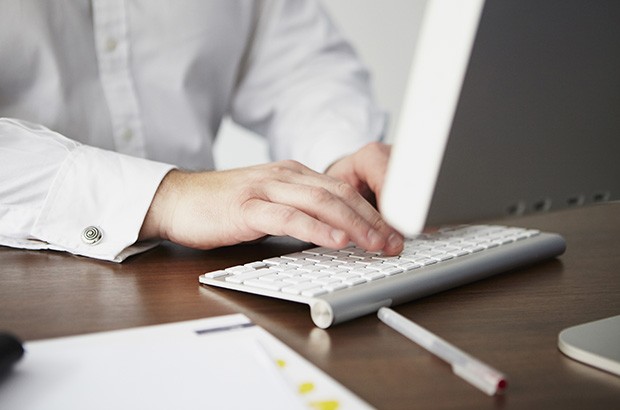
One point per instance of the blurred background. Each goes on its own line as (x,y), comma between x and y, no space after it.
(383,33)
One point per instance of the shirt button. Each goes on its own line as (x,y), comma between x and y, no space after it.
(91,235)
(111,44)
(127,134)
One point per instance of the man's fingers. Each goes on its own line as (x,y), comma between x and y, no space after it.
(206,210)
(371,166)
(364,169)
(278,219)
(301,175)
(348,211)
(335,202)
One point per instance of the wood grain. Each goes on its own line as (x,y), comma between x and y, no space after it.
(510,321)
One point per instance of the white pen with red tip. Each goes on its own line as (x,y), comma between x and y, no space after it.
(472,370)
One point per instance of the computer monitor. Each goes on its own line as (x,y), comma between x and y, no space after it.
(512,107)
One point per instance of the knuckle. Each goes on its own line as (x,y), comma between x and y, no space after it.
(247,206)
(378,224)
(346,191)
(363,224)
(286,215)
(289,164)
(320,194)
(246,193)
(276,168)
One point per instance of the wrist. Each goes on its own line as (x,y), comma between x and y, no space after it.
(156,221)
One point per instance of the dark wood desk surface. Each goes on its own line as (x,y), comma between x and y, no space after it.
(510,321)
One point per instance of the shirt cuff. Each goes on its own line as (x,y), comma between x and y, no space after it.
(97,204)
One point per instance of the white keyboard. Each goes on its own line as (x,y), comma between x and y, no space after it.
(340,285)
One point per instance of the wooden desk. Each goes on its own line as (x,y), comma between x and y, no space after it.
(510,321)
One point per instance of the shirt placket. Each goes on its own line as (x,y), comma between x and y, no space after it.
(113,54)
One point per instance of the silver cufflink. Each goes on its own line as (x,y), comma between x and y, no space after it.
(91,235)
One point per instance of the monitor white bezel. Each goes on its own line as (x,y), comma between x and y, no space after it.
(435,80)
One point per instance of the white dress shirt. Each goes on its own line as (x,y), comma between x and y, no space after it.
(100,99)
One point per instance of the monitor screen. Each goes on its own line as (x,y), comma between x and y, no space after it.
(536,124)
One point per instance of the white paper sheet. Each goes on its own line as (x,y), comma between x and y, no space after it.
(216,363)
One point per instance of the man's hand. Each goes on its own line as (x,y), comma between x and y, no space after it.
(212,209)
(365,169)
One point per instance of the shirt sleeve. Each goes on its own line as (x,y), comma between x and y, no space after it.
(58,194)
(303,86)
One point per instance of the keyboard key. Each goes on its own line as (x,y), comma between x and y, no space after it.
(374,275)
(300,287)
(311,293)
(315,275)
(332,287)
(216,274)
(276,261)
(319,250)
(264,284)
(327,280)
(318,258)
(392,270)
(295,280)
(295,256)
(256,265)
(239,269)
(289,273)
(274,277)
(242,277)
(356,280)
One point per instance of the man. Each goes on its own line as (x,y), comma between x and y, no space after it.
(102,101)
